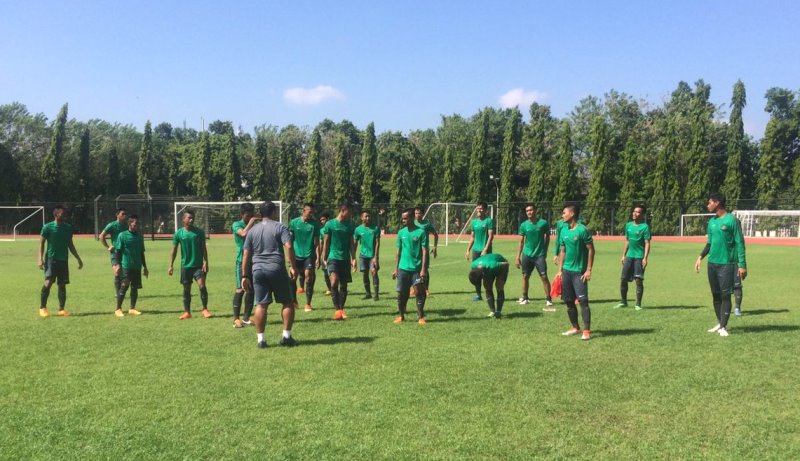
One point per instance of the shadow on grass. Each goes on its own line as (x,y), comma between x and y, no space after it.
(448,312)
(339,340)
(763,328)
(521,315)
(626,332)
(764,311)
(676,307)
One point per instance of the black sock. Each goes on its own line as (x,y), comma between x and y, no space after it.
(420,295)
(737,294)
(586,313)
(121,295)
(478,289)
(366,283)
(187,297)
(44,295)
(402,301)
(309,289)
(623,291)
(725,310)
(501,298)
(572,312)
(204,297)
(717,297)
(62,296)
(134,296)
(343,294)
(249,300)
(117,283)
(639,291)
(237,303)
(375,283)
(301,279)
(327,278)
(335,297)
(490,301)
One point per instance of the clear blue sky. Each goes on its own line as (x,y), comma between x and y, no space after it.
(400,64)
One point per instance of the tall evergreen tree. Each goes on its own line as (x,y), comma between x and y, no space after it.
(667,190)
(511,143)
(113,173)
(233,173)
(601,177)
(341,188)
(564,168)
(476,188)
(771,167)
(260,189)
(448,180)
(699,159)
(84,169)
(144,168)
(314,168)
(10,184)
(632,184)
(290,142)
(202,164)
(539,185)
(732,187)
(369,155)
(51,165)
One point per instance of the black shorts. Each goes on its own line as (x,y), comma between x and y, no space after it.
(501,274)
(632,268)
(305,264)
(572,287)
(529,264)
(407,279)
(133,276)
(476,255)
(191,273)
(272,284)
(341,269)
(722,278)
(56,271)
(364,263)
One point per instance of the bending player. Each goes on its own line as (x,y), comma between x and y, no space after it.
(409,266)
(369,236)
(576,257)
(58,235)
(240,229)
(634,256)
(131,265)
(531,254)
(492,269)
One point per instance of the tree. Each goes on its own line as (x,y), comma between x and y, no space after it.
(448,180)
(51,165)
(511,142)
(83,162)
(476,189)
(341,188)
(539,185)
(113,174)
(201,168)
(564,169)
(632,187)
(144,168)
(601,177)
(667,191)
(314,168)
(732,187)
(771,168)
(699,160)
(9,177)
(290,144)
(369,155)
(233,173)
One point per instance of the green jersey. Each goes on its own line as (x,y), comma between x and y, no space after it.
(367,236)
(339,234)
(191,242)
(536,237)
(636,235)
(304,237)
(560,225)
(131,246)
(114,228)
(410,244)
(238,239)
(574,241)
(58,238)
(427,227)
(490,262)
(726,240)
(480,231)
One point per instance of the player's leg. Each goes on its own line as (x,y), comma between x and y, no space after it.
(375,280)
(200,277)
(186,281)
(345,277)
(582,292)
(124,284)
(624,278)
(311,277)
(500,284)
(62,275)
(364,267)
(476,255)
(334,288)
(403,289)
(281,289)
(263,297)
(540,264)
(421,295)
(726,282)
(638,277)
(569,297)
(737,293)
(49,278)
(526,277)
(238,296)
(488,287)
(716,294)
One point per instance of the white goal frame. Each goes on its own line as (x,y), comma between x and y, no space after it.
(36,209)
(467,222)
(178,207)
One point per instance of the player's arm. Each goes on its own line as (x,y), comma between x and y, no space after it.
(352,250)
(205,256)
(41,251)
(172,257)
(243,231)
(625,250)
(355,247)
(738,240)
(326,246)
(246,282)
(424,271)
(469,245)
(588,274)
(434,251)
(74,252)
(557,249)
(646,253)
(519,251)
(103,237)
(560,259)
(703,254)
(377,250)
(489,239)
(547,240)
(144,266)
(396,263)
(290,258)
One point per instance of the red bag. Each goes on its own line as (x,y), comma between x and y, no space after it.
(555,287)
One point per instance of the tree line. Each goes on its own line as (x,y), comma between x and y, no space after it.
(609,152)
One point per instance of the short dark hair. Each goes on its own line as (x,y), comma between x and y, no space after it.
(410,212)
(344,205)
(483,204)
(418,207)
(325,215)
(58,207)
(639,205)
(366,211)
(574,206)
(133,217)
(267,208)
(475,276)
(247,208)
(189,211)
(532,205)
(718,197)
(308,204)
(118,211)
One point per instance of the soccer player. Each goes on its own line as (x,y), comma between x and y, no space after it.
(560,225)
(737,294)
(131,265)
(410,266)
(533,243)
(480,243)
(240,229)
(305,237)
(369,236)
(113,229)
(338,252)
(725,250)
(634,256)
(266,245)
(323,219)
(493,270)
(576,257)
(194,263)
(429,230)
(58,235)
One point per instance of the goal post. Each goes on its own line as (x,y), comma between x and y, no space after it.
(694,224)
(17,220)
(451,218)
(215,217)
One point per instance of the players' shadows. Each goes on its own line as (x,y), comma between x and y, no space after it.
(339,340)
(521,315)
(766,328)
(624,332)
(675,307)
(764,311)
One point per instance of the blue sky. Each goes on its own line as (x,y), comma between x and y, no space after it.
(399,64)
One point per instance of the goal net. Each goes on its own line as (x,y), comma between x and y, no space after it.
(755,223)
(20,220)
(215,217)
(695,224)
(451,220)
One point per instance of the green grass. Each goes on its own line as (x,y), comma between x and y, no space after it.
(650,384)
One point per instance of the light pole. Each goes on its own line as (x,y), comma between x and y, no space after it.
(497,197)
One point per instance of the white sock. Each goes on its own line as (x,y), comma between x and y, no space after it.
(260,336)
(287,333)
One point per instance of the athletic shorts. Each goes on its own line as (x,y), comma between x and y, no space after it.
(632,268)
(341,269)
(721,277)
(476,255)
(501,274)
(272,284)
(572,287)
(238,273)
(56,271)
(191,273)
(737,281)
(305,264)
(407,279)
(133,276)
(364,264)
(529,264)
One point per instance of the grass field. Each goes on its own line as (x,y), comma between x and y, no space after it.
(650,384)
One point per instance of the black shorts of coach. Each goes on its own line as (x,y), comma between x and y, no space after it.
(56,271)
(572,287)
(191,273)
(407,279)
(269,285)
(632,268)
(133,276)
(722,277)
(538,263)
(341,269)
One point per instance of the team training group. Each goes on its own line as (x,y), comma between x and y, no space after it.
(265,247)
